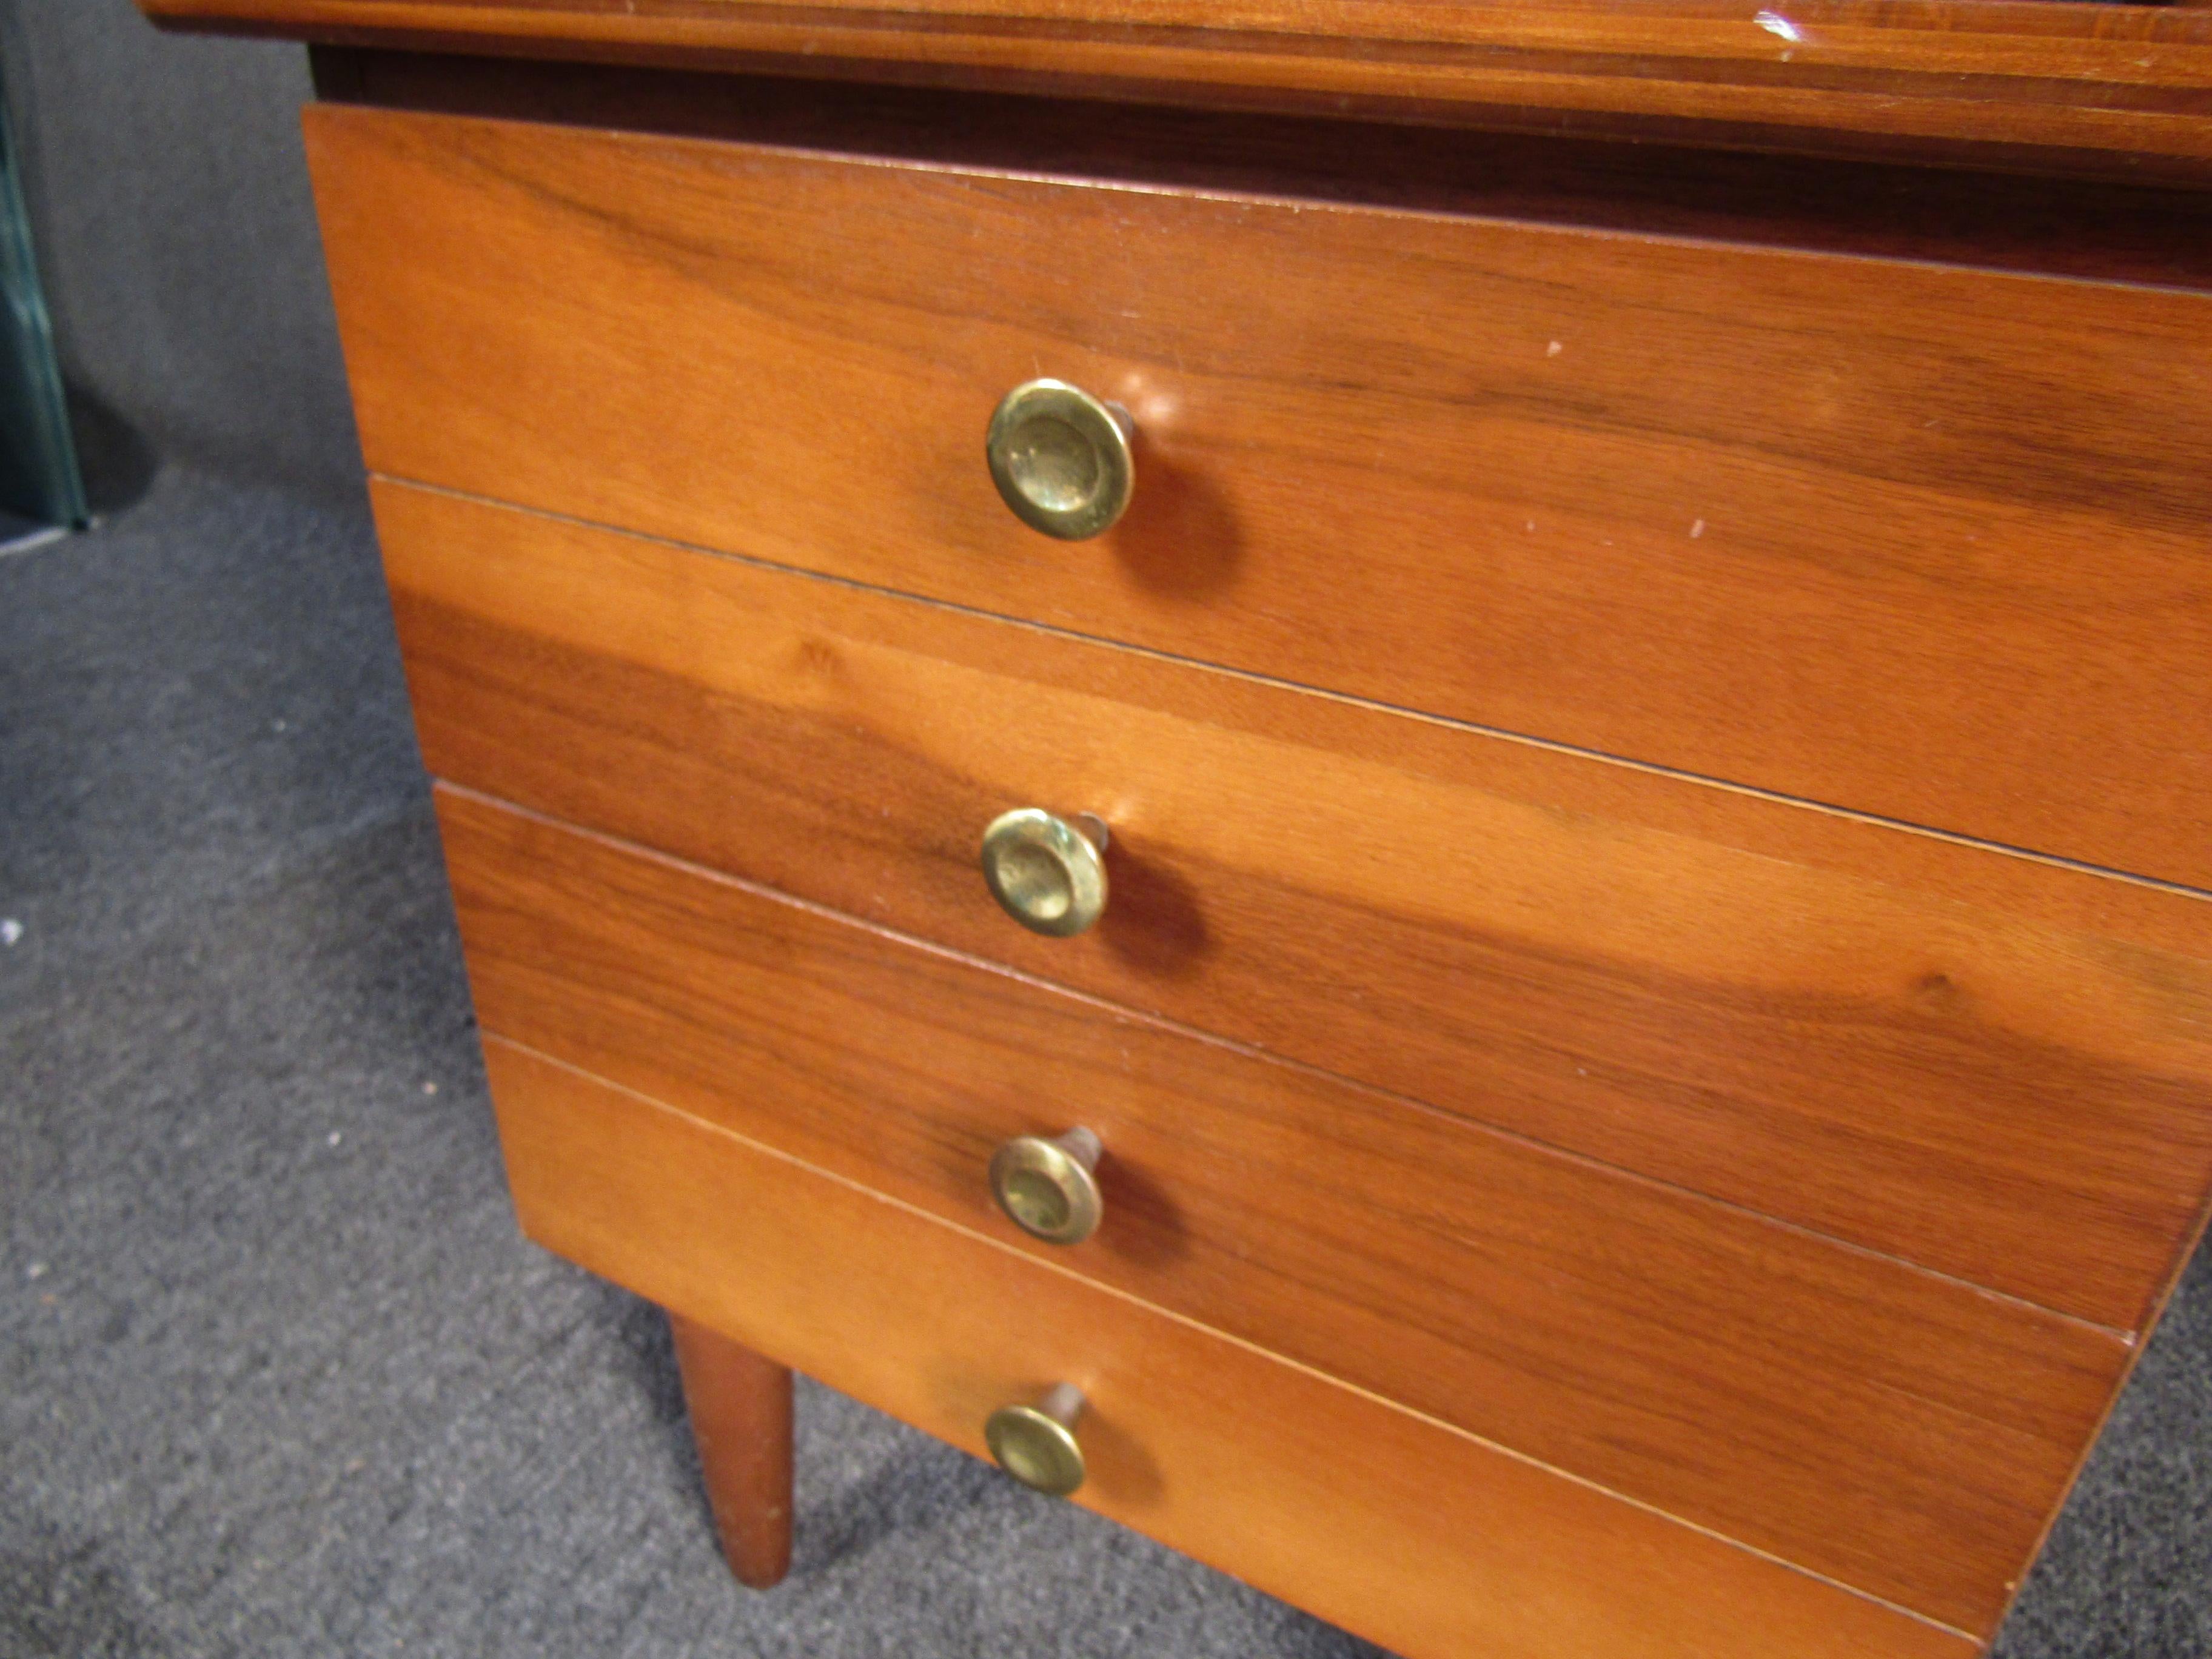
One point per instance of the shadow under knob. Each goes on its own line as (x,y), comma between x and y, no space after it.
(1036,1444)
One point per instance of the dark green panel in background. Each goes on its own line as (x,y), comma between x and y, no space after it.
(39,477)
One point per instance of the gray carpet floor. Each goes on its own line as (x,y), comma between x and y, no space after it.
(277,1374)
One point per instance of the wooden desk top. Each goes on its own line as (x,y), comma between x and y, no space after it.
(2036,84)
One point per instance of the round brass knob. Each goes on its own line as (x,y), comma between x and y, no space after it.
(1036,1444)
(1061,459)
(1046,1187)
(1046,874)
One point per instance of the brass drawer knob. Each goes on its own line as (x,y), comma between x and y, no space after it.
(1061,459)
(1046,1187)
(1046,874)
(1036,1444)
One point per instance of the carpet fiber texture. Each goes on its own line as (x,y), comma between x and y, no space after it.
(277,1374)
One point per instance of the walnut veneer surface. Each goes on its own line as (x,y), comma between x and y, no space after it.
(2086,83)
(1653,1028)
(1816,525)
(1475,1277)
(1429,1540)
(1539,941)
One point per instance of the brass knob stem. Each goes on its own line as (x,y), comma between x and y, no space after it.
(1048,1187)
(1045,872)
(1061,459)
(1037,1444)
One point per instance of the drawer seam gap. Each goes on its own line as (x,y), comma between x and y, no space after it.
(2127,1339)
(1553,745)
(1184,1319)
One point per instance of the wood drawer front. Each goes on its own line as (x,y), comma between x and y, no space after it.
(1929,544)
(1764,1003)
(1887,1427)
(1398,1528)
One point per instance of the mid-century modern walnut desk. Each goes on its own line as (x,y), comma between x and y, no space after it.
(1418,789)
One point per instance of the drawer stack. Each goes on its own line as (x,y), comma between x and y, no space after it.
(1652,1025)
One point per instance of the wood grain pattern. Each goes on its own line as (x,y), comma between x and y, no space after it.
(2100,229)
(1987,1066)
(1260,1467)
(2042,74)
(1901,1433)
(739,1403)
(1929,544)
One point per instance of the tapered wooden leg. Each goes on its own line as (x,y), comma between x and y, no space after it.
(740,1407)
